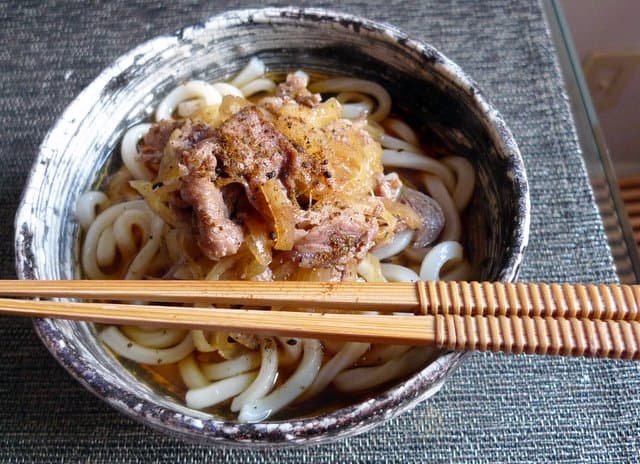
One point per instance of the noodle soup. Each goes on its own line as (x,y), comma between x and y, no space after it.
(261,178)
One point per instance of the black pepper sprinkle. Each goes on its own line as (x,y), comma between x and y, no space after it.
(159,361)
(292,342)
(129,345)
(157,185)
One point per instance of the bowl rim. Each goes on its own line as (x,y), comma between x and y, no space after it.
(345,421)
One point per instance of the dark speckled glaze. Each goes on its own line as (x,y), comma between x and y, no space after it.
(430,90)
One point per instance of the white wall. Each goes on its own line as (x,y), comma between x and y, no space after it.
(612,26)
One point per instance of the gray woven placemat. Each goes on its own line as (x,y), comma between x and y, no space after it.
(496,408)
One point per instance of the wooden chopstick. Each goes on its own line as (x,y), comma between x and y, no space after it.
(629,188)
(355,327)
(401,297)
(511,334)
(572,320)
(610,301)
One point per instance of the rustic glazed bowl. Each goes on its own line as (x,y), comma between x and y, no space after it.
(427,88)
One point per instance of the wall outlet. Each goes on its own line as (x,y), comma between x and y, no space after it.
(608,74)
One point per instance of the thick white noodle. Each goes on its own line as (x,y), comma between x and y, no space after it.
(201,342)
(302,75)
(87,207)
(397,273)
(156,338)
(402,130)
(266,376)
(243,363)
(145,255)
(118,229)
(95,230)
(187,91)
(452,226)
(380,354)
(106,250)
(410,160)
(465,180)
(354,110)
(346,357)
(129,151)
(439,255)
(217,392)
(254,69)
(362,378)
(399,242)
(191,374)
(227,89)
(124,228)
(257,86)
(261,408)
(356,97)
(289,353)
(348,84)
(127,348)
(394,143)
(187,108)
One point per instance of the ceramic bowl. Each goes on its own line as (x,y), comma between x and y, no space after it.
(430,90)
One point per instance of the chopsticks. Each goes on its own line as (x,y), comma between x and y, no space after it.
(565,319)
(630,195)
(353,327)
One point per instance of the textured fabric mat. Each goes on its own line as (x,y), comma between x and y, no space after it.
(496,408)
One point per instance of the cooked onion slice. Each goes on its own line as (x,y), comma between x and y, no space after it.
(282,212)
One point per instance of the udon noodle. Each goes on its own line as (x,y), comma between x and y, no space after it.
(263,180)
